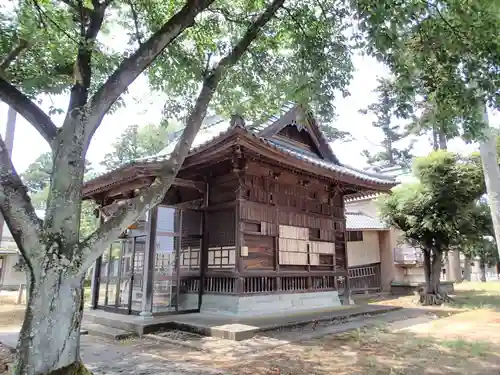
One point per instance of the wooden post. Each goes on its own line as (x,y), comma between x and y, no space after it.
(94,284)
(204,246)
(149,261)
(239,268)
(347,300)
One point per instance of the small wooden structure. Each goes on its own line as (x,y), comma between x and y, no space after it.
(253,224)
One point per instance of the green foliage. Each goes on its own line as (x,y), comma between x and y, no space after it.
(444,54)
(137,142)
(51,30)
(432,212)
(37,176)
(386,109)
(302,55)
(479,239)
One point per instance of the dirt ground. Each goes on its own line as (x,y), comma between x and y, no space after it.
(465,339)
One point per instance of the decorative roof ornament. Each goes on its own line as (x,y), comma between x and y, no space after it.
(237,121)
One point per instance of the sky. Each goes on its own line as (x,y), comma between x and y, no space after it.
(143,107)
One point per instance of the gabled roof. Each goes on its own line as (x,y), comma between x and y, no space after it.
(358,221)
(216,127)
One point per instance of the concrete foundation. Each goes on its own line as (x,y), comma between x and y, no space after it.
(408,288)
(265,305)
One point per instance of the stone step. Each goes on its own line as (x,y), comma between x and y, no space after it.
(107,332)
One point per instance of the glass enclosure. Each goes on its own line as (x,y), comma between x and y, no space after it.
(121,275)
(177,260)
(176,265)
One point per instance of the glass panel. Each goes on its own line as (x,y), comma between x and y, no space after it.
(165,277)
(114,266)
(168,220)
(189,273)
(138,273)
(126,273)
(103,278)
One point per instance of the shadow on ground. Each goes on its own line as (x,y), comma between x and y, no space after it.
(383,348)
(476,300)
(376,351)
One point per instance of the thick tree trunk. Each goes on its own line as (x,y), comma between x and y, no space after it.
(49,341)
(491,171)
(431,294)
(427,267)
(435,286)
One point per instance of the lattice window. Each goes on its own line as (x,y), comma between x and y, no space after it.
(190,258)
(221,257)
(297,247)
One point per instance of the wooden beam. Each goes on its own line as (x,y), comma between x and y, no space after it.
(200,186)
(129,187)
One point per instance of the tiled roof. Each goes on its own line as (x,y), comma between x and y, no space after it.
(360,221)
(272,119)
(342,169)
(215,126)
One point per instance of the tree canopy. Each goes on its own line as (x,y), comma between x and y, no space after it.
(434,213)
(137,142)
(244,57)
(446,53)
(387,110)
(445,57)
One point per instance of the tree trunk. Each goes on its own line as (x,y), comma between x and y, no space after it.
(467,269)
(10,129)
(431,294)
(435,287)
(482,269)
(443,145)
(49,340)
(488,151)
(427,267)
(454,267)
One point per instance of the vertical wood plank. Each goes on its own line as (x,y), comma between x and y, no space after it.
(149,255)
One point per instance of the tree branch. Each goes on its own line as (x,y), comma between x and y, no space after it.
(83,68)
(135,17)
(16,209)
(127,213)
(131,67)
(23,44)
(29,110)
(87,12)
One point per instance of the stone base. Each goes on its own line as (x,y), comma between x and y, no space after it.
(408,288)
(271,304)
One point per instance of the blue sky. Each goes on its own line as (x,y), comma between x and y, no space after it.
(143,106)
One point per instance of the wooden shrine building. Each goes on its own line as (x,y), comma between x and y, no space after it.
(253,224)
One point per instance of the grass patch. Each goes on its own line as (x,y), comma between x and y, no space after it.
(472,348)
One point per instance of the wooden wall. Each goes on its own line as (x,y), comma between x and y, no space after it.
(289,222)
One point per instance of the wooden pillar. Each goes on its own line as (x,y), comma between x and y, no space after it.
(94,284)
(347,298)
(149,261)
(238,170)
(96,272)
(237,244)
(204,246)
